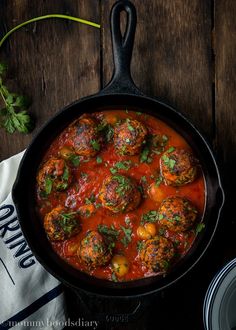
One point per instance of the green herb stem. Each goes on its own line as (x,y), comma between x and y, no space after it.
(39,18)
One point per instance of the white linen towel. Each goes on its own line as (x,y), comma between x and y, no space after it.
(30,298)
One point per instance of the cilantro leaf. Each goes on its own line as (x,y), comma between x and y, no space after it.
(13,117)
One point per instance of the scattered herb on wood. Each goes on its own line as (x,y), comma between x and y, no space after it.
(13,115)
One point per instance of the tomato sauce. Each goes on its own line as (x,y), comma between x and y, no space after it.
(88,178)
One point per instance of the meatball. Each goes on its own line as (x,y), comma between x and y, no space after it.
(157,253)
(178,167)
(86,137)
(119,193)
(55,174)
(61,223)
(177,214)
(129,137)
(93,250)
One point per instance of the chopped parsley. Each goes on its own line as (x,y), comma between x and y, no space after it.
(171,149)
(113,170)
(170,163)
(123,184)
(127,236)
(125,165)
(95,144)
(151,216)
(110,232)
(140,245)
(48,185)
(65,175)
(99,160)
(75,159)
(130,127)
(158,181)
(200,227)
(68,222)
(143,179)
(144,157)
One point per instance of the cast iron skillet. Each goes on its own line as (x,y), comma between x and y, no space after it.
(120,93)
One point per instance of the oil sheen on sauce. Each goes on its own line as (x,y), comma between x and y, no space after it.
(88,178)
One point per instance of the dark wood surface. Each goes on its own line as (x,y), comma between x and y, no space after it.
(185,53)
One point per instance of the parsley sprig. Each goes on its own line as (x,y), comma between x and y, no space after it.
(13,115)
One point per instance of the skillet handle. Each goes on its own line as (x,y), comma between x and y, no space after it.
(121,81)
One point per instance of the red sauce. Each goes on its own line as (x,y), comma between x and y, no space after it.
(88,178)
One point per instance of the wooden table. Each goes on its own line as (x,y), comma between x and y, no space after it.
(185,52)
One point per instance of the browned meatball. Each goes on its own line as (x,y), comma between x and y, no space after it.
(87,139)
(177,214)
(120,193)
(55,174)
(157,254)
(178,167)
(93,250)
(129,137)
(61,223)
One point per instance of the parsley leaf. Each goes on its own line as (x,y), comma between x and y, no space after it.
(75,159)
(127,236)
(125,165)
(151,216)
(95,144)
(48,185)
(200,227)
(99,160)
(140,245)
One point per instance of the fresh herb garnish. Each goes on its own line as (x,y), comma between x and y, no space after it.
(13,116)
(125,165)
(170,163)
(113,170)
(200,227)
(107,131)
(65,175)
(143,179)
(68,221)
(130,127)
(127,236)
(158,181)
(123,184)
(75,159)
(171,149)
(90,200)
(151,216)
(99,160)
(95,144)
(140,245)
(144,155)
(110,232)
(48,185)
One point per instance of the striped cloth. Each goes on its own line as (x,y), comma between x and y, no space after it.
(30,298)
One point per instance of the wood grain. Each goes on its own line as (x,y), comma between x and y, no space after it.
(225,50)
(172,54)
(225,113)
(54,61)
